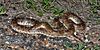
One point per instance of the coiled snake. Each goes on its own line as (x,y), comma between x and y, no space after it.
(63,26)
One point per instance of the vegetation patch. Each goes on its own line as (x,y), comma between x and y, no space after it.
(2,9)
(94,6)
(43,6)
(80,46)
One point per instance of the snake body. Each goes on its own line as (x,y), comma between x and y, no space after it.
(64,25)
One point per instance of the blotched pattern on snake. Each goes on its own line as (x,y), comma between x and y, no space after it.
(64,26)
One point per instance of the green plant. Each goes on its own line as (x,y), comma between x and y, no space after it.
(45,6)
(57,11)
(79,46)
(30,4)
(68,44)
(2,9)
(94,6)
(46,2)
(96,47)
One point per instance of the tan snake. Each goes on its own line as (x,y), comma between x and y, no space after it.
(64,25)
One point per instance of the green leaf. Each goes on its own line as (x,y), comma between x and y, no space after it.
(40,13)
(68,44)
(30,4)
(79,46)
(2,10)
(46,2)
(96,47)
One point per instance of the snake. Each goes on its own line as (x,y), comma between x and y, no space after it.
(63,26)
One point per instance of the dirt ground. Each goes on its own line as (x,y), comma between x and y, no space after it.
(11,40)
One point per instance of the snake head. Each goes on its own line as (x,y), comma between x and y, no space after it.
(76,20)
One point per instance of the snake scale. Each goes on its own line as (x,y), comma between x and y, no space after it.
(64,26)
